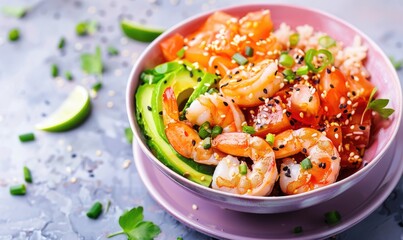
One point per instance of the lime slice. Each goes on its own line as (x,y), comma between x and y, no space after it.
(73,111)
(139,32)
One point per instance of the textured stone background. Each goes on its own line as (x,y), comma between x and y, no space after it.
(72,170)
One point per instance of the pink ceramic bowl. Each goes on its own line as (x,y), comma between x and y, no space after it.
(383,76)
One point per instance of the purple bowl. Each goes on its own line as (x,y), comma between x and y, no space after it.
(383,75)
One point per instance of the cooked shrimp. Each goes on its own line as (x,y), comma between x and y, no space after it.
(216,110)
(182,137)
(259,180)
(249,85)
(323,156)
(304,104)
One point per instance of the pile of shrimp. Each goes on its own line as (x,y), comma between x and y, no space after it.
(317,117)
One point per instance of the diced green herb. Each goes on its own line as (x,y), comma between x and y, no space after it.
(95,210)
(181,53)
(19,189)
(54,70)
(97,86)
(378,105)
(179,238)
(85,28)
(206,143)
(248,129)
(112,51)
(27,174)
(241,60)
(62,43)
(297,229)
(217,130)
(397,64)
(18,12)
(205,130)
(270,138)
(92,63)
(108,205)
(129,135)
(14,35)
(69,76)
(134,227)
(306,164)
(332,217)
(243,169)
(249,51)
(289,74)
(312,53)
(302,70)
(286,60)
(294,39)
(26,137)
(326,41)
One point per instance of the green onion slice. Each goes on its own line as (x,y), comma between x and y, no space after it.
(286,60)
(181,53)
(14,35)
(19,189)
(217,130)
(248,129)
(243,169)
(205,130)
(332,217)
(289,74)
(54,70)
(306,164)
(270,138)
(241,60)
(302,70)
(95,210)
(325,54)
(206,143)
(27,175)
(249,51)
(294,39)
(96,86)
(26,137)
(326,41)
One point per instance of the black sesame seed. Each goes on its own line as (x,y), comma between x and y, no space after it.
(275,148)
(310,98)
(237,72)
(288,173)
(193,142)
(239,79)
(149,108)
(281,146)
(73,155)
(331,85)
(304,150)
(288,113)
(215,66)
(277,101)
(225,103)
(261,99)
(264,90)
(232,100)
(354,93)
(328,70)
(165,81)
(275,73)
(160,113)
(322,165)
(334,157)
(362,127)
(335,129)
(191,74)
(285,168)
(199,79)
(229,76)
(297,89)
(345,111)
(224,85)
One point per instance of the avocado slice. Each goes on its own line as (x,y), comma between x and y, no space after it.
(187,83)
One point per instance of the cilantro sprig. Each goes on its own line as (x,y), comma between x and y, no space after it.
(134,227)
(378,105)
(92,63)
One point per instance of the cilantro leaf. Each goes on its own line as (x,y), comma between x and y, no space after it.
(92,63)
(378,105)
(18,12)
(135,228)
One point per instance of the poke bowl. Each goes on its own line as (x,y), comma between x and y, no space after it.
(245,165)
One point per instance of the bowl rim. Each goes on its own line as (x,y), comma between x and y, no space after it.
(132,86)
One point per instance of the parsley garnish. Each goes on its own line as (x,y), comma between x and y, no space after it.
(378,105)
(92,63)
(18,12)
(135,228)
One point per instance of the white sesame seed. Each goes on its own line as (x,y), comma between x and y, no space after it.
(98,153)
(111,93)
(69,148)
(126,163)
(109,104)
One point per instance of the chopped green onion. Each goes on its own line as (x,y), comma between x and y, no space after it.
(26,137)
(306,164)
(297,229)
(212,90)
(129,135)
(241,60)
(112,51)
(180,53)
(95,210)
(249,51)
(248,129)
(270,138)
(289,75)
(302,70)
(18,12)
(61,43)
(326,41)
(217,130)
(19,189)
(81,29)
(14,35)
(243,169)
(27,175)
(54,70)
(96,86)
(332,217)
(205,130)
(286,60)
(179,238)
(206,143)
(294,39)
(311,53)
(69,76)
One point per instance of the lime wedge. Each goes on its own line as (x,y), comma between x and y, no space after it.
(139,32)
(73,111)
